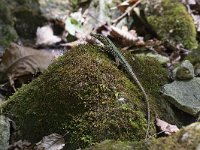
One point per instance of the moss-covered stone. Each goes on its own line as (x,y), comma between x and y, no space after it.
(150,73)
(7,31)
(79,95)
(174,23)
(118,145)
(194,56)
(5,14)
(7,34)
(24,16)
(18,17)
(185,139)
(27,22)
(153,76)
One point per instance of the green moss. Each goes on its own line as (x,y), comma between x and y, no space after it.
(118,145)
(185,139)
(194,56)
(78,95)
(150,72)
(8,34)
(153,76)
(5,14)
(174,24)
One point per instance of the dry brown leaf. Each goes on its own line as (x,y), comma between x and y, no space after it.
(167,128)
(21,145)
(19,61)
(126,38)
(51,142)
(122,35)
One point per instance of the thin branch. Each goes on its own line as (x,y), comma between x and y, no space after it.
(128,10)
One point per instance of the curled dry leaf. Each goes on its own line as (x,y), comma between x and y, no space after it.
(167,128)
(51,142)
(19,61)
(126,38)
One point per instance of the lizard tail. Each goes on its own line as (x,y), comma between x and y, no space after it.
(147,103)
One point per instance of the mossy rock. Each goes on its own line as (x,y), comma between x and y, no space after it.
(174,23)
(153,76)
(27,22)
(118,145)
(7,34)
(18,17)
(5,14)
(22,15)
(186,139)
(150,73)
(194,56)
(7,31)
(79,95)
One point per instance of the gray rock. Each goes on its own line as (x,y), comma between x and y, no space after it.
(4,132)
(52,9)
(184,94)
(184,72)
(21,18)
(7,31)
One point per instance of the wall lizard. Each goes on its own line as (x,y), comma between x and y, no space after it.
(113,50)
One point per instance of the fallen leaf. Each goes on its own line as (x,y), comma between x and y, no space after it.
(51,142)
(126,38)
(25,145)
(167,128)
(19,61)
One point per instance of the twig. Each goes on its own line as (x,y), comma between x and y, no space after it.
(128,10)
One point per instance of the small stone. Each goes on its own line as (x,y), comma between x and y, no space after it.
(185,137)
(184,72)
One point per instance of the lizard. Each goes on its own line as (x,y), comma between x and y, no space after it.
(113,50)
